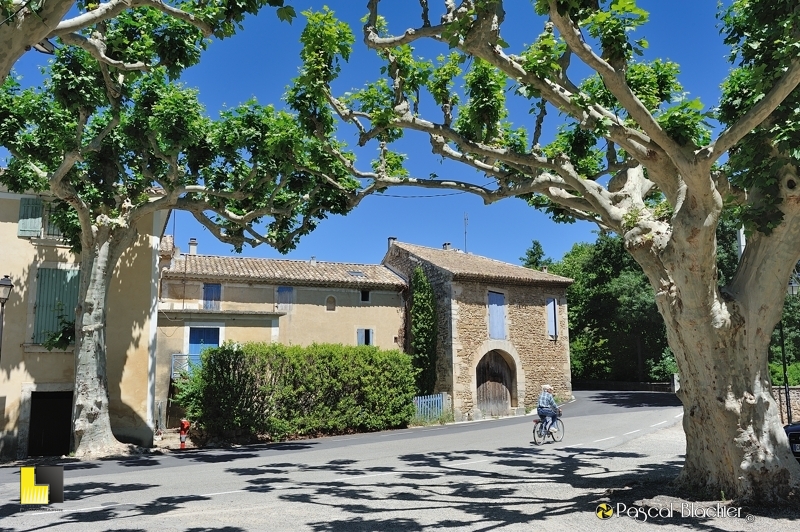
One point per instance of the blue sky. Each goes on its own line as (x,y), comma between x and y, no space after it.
(260,61)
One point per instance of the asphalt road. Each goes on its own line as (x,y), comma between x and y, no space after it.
(471,476)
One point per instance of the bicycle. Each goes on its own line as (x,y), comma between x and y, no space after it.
(540,435)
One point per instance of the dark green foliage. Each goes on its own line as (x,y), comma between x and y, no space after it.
(534,257)
(277,391)
(791,333)
(615,327)
(792,372)
(424,331)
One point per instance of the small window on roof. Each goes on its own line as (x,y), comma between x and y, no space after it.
(356,273)
(330,303)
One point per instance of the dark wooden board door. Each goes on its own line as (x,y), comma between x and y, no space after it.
(494,385)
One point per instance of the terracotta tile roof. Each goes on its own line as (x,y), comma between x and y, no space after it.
(283,271)
(466,266)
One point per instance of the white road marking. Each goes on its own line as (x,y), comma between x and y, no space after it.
(604,439)
(679,415)
(221,493)
(376,475)
(631,432)
(659,423)
(466,463)
(428,430)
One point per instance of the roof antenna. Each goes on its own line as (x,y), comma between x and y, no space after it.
(466,221)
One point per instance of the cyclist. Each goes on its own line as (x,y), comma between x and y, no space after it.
(547,408)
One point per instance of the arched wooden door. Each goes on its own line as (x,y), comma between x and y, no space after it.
(494,379)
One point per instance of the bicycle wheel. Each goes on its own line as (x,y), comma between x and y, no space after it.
(558,436)
(538,435)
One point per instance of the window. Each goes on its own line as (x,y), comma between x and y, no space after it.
(284,299)
(330,304)
(201,338)
(551,309)
(35,220)
(365,296)
(497,316)
(56,299)
(366,337)
(211,295)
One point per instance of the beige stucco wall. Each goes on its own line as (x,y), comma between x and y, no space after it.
(130,328)
(308,321)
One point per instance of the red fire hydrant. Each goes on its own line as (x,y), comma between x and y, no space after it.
(184,431)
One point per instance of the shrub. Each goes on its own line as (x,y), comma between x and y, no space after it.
(277,391)
(792,372)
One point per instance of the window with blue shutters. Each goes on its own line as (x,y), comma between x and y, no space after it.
(211,296)
(56,296)
(497,316)
(551,308)
(30,218)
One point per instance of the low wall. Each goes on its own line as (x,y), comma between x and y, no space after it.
(778,392)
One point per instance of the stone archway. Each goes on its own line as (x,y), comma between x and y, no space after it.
(495,382)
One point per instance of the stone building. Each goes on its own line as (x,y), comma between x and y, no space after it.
(502,328)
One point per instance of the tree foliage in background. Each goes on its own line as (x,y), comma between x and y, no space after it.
(424,331)
(115,142)
(615,328)
(534,257)
(634,155)
(273,391)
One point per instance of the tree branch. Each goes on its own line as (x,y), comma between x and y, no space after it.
(97,49)
(756,115)
(615,81)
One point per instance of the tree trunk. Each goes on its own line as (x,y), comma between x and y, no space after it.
(27,29)
(735,444)
(92,434)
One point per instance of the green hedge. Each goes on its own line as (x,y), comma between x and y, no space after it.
(278,391)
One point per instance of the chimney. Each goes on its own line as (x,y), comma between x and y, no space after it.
(192,246)
(392,240)
(446,246)
(544,269)
(313,260)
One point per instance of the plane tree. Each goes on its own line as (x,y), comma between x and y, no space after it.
(114,145)
(633,155)
(26,24)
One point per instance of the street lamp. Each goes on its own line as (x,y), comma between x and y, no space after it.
(5,291)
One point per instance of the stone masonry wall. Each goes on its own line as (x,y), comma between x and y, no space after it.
(543,360)
(779,395)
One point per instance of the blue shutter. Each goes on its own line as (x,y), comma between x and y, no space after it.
(552,317)
(361,336)
(497,316)
(212,293)
(30,217)
(201,338)
(56,295)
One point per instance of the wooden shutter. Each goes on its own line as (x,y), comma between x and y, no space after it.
(497,316)
(552,317)
(30,217)
(202,338)
(211,296)
(56,295)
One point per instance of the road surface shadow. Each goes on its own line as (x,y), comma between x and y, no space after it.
(636,399)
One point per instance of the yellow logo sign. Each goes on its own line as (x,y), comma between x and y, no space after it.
(604,511)
(41,485)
